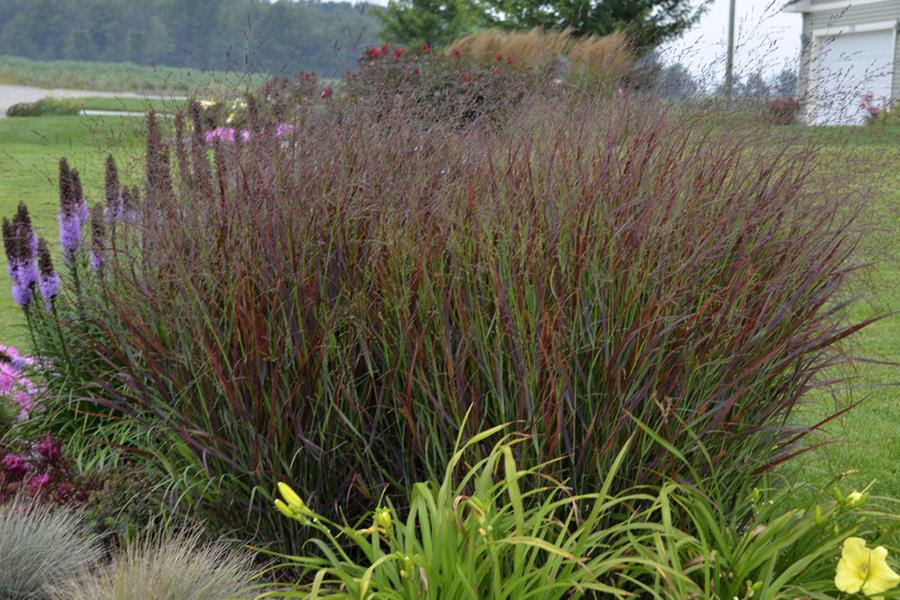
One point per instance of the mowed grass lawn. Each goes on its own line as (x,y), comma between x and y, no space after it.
(30,148)
(866,441)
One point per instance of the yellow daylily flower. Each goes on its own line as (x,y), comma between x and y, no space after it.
(863,569)
(855,499)
(294,502)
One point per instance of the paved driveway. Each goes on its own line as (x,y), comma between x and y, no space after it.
(13,94)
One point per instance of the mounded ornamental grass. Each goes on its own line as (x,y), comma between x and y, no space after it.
(323,308)
(39,548)
(158,567)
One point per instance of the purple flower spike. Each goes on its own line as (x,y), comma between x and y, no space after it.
(21,294)
(49,286)
(83,211)
(49,282)
(96,261)
(69,232)
(28,272)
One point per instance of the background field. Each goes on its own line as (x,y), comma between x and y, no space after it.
(866,441)
(119,77)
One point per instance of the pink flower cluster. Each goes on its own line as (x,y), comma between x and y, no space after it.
(14,385)
(228,135)
(868,104)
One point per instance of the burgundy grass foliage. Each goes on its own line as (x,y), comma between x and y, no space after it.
(325,307)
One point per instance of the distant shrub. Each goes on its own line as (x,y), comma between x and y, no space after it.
(784,111)
(158,567)
(887,115)
(44,107)
(442,89)
(40,548)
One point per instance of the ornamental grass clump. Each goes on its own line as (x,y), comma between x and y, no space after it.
(40,548)
(159,567)
(322,308)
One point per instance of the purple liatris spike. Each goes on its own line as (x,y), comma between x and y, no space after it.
(9,246)
(69,232)
(69,200)
(114,198)
(49,287)
(25,247)
(98,237)
(21,294)
(49,281)
(81,205)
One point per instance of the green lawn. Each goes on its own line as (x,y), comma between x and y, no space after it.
(29,151)
(866,440)
(119,77)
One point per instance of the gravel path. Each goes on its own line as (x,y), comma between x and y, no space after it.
(13,94)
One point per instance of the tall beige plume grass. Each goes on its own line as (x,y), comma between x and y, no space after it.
(603,58)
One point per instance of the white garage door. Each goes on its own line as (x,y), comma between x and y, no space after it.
(848,67)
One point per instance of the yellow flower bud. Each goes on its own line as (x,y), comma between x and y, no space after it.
(383,518)
(291,497)
(283,509)
(818,517)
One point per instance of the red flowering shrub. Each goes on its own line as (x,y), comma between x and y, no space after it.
(441,87)
(784,111)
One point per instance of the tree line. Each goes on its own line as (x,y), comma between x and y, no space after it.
(281,37)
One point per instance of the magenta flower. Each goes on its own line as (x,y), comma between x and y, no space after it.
(47,449)
(38,482)
(15,465)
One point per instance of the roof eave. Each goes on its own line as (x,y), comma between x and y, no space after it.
(798,6)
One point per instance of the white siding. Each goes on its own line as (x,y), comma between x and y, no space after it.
(861,14)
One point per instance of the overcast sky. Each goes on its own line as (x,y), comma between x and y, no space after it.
(767,39)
